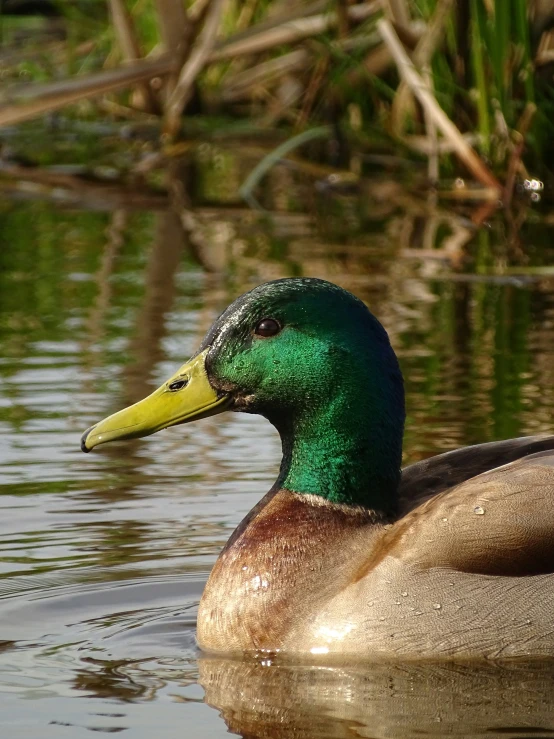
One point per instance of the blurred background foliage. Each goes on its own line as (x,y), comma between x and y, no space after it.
(286,66)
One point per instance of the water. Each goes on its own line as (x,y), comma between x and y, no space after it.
(103,557)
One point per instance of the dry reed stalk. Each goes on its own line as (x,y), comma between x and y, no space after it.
(281,105)
(274,20)
(241,27)
(197,11)
(429,103)
(246,14)
(242,83)
(420,144)
(483,212)
(515,158)
(398,12)
(175,30)
(421,57)
(193,66)
(359,42)
(545,51)
(124,30)
(31,100)
(27,101)
(314,85)
(375,62)
(173,21)
(343,24)
(54,51)
(432,137)
(131,51)
(378,60)
(117,110)
(433,34)
(291,32)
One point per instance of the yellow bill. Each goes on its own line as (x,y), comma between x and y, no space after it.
(186,396)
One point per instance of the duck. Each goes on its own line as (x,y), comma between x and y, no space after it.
(348,556)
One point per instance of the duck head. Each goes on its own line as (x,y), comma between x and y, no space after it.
(311,358)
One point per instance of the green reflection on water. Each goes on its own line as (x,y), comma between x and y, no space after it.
(97,307)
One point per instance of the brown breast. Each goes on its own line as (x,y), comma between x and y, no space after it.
(290,554)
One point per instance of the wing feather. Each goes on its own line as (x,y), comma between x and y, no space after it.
(429,477)
(500,522)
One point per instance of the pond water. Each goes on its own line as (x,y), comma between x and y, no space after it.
(103,557)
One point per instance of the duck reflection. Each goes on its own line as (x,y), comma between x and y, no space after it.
(265,699)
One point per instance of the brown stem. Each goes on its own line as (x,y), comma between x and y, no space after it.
(291,32)
(513,165)
(28,101)
(429,103)
(421,57)
(131,51)
(193,66)
(175,29)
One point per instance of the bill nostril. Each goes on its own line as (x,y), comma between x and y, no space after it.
(177,385)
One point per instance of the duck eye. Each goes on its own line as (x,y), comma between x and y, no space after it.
(177,385)
(267,327)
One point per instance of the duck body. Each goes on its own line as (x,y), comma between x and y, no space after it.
(346,555)
(459,575)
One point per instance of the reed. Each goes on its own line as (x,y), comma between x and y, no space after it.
(404,68)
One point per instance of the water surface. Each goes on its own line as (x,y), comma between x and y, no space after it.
(103,557)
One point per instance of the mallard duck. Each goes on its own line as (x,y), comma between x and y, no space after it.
(347,555)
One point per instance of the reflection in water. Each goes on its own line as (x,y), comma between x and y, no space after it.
(115,236)
(145,348)
(260,699)
(103,558)
(164,258)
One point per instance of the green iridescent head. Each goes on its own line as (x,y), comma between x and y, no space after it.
(314,361)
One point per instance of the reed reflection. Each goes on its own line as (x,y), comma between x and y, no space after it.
(146,344)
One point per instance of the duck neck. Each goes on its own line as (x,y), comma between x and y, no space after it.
(347,451)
